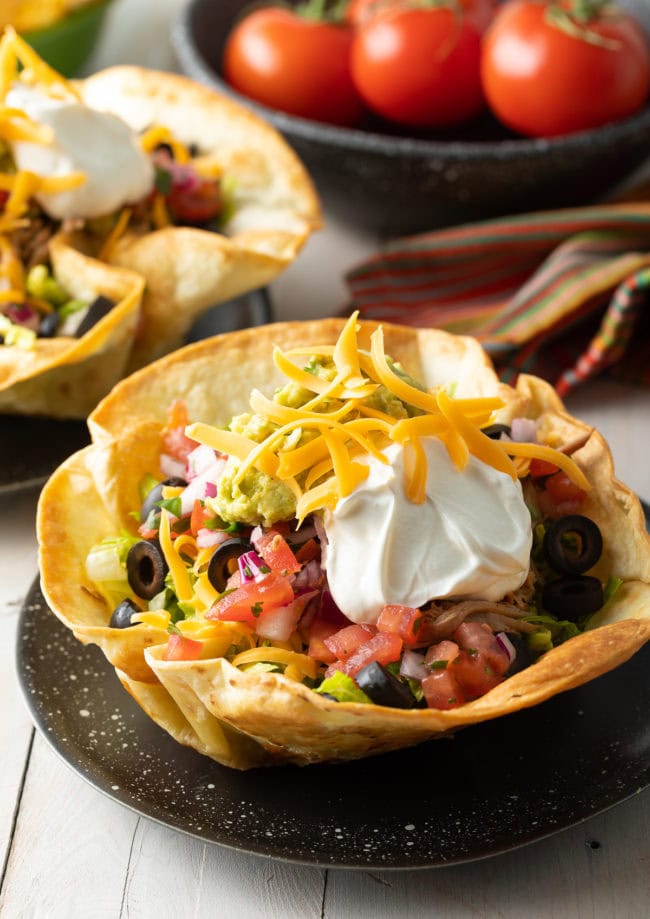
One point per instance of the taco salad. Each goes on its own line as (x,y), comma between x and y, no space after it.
(380,544)
(144,172)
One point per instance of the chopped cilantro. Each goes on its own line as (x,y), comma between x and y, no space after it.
(256,608)
(173,505)
(438,665)
(146,484)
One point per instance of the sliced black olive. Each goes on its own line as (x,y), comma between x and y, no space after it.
(146,569)
(573,544)
(383,688)
(121,618)
(155,495)
(48,325)
(99,308)
(573,598)
(496,430)
(219,568)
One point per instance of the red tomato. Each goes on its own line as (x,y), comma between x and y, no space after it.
(442,651)
(419,67)
(442,690)
(298,65)
(180,648)
(175,441)
(358,12)
(345,642)
(195,205)
(277,554)
(540,468)
(560,496)
(320,630)
(543,80)
(382,647)
(403,621)
(249,601)
(474,674)
(478,638)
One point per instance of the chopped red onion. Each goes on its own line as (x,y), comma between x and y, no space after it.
(256,535)
(413,666)
(206,538)
(524,430)
(302,535)
(22,314)
(280,623)
(507,645)
(171,467)
(251,567)
(201,485)
(200,459)
(310,576)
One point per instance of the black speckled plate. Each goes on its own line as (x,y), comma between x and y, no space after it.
(492,788)
(32,448)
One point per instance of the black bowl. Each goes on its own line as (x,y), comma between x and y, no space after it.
(395,184)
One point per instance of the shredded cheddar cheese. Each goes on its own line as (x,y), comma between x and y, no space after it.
(325,466)
(115,235)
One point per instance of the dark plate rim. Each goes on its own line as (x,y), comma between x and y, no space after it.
(196,66)
(602,803)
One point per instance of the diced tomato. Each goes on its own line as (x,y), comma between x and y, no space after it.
(327,621)
(146,532)
(540,468)
(199,515)
(180,648)
(308,552)
(563,490)
(474,673)
(479,637)
(384,647)
(277,554)
(197,204)
(403,621)
(345,642)
(175,442)
(441,690)
(250,600)
(443,651)
(319,630)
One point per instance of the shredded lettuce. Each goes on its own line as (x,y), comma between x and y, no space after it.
(147,484)
(343,688)
(611,588)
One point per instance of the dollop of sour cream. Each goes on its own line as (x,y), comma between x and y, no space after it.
(96,143)
(471,538)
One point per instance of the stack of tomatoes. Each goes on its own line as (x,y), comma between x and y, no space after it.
(543,67)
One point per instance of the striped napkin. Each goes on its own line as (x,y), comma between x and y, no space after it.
(562,294)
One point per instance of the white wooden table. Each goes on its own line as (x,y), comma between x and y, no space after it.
(67,851)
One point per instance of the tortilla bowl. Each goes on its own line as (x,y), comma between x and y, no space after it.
(244,718)
(274,207)
(66,377)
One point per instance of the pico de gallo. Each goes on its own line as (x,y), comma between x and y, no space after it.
(248,581)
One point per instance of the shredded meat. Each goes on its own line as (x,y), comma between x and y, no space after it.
(503,617)
(31,243)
